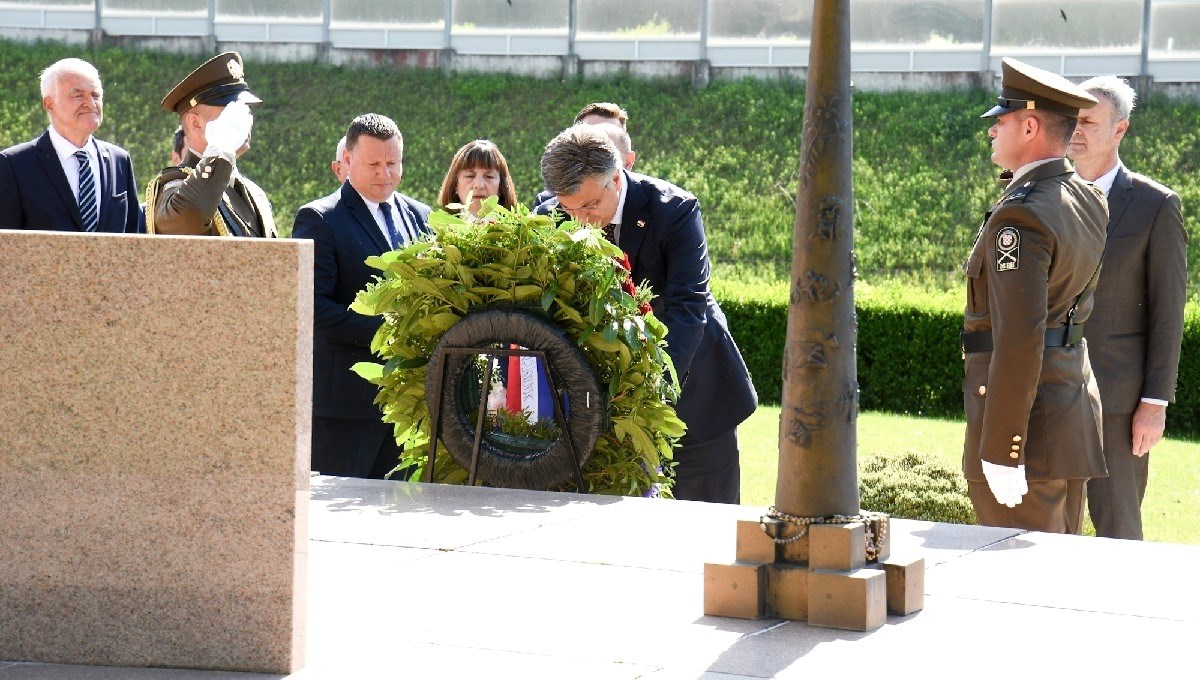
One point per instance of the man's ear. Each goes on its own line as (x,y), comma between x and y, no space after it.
(192,121)
(1031,125)
(1120,129)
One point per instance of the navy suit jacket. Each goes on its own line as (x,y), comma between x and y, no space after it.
(34,193)
(663,233)
(344,235)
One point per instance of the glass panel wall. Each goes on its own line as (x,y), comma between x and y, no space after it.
(1072,24)
(152,7)
(1175,28)
(409,12)
(759,20)
(917,22)
(291,9)
(56,4)
(639,18)
(519,14)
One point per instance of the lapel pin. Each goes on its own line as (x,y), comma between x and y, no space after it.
(641,224)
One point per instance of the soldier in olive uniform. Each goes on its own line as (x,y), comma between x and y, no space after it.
(1032,405)
(205,195)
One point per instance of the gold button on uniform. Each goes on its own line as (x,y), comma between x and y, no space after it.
(1016,448)
(1016,438)
(982,390)
(1014,454)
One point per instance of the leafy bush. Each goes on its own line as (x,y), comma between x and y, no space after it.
(911,485)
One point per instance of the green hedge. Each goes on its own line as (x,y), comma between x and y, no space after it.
(909,360)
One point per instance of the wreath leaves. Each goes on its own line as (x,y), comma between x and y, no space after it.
(513,257)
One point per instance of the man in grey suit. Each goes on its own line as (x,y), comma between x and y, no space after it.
(1137,326)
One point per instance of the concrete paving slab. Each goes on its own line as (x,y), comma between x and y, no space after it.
(451,517)
(681,537)
(410,580)
(1071,572)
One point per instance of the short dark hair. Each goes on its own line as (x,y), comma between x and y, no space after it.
(577,153)
(372,125)
(1059,128)
(606,110)
(177,141)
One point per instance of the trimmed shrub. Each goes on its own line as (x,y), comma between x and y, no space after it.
(912,485)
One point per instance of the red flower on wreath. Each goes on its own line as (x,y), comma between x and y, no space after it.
(627,281)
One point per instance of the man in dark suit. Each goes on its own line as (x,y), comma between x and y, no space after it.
(1033,409)
(1135,333)
(601,113)
(66,179)
(365,217)
(659,227)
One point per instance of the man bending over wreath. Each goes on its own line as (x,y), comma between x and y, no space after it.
(659,227)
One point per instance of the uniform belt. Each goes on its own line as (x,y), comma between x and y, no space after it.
(1062,336)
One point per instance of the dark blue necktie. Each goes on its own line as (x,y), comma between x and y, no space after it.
(87,193)
(393,234)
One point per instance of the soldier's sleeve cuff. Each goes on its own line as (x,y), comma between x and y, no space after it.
(217,151)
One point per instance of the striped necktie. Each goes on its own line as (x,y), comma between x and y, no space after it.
(87,193)
(393,234)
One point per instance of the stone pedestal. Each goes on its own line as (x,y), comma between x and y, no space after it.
(154,450)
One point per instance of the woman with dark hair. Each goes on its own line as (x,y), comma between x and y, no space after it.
(477,171)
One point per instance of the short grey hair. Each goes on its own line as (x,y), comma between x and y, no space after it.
(341,146)
(576,154)
(63,67)
(1116,90)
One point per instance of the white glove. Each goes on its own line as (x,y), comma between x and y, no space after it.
(1008,484)
(229,131)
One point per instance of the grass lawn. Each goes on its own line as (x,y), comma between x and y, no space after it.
(1171,512)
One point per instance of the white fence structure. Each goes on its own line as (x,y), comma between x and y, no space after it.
(1159,39)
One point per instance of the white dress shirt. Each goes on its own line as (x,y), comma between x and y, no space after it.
(70,165)
(402,226)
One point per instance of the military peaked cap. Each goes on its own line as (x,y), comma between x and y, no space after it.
(1025,87)
(218,81)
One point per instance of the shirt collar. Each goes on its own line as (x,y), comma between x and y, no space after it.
(621,200)
(1105,182)
(66,149)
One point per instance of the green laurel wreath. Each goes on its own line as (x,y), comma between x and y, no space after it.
(513,257)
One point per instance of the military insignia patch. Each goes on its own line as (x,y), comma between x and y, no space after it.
(1008,249)
(235,69)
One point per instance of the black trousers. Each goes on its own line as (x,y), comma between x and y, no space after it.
(709,471)
(353,448)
